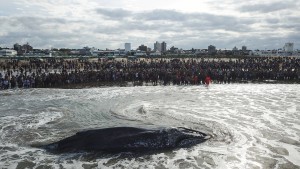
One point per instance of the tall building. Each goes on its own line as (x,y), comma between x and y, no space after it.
(157,46)
(211,49)
(288,47)
(18,48)
(127,47)
(163,46)
(244,48)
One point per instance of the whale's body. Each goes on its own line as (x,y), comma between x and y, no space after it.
(128,139)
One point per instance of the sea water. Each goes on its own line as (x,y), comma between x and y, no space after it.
(252,125)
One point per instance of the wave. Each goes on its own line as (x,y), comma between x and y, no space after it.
(253,125)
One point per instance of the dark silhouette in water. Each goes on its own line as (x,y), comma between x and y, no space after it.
(128,139)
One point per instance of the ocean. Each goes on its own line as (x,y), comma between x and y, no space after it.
(252,125)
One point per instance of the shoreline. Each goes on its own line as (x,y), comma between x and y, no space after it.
(87,86)
(137,84)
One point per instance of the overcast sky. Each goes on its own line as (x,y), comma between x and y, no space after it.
(257,24)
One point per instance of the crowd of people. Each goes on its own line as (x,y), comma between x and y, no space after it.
(67,73)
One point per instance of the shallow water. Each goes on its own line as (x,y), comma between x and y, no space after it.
(253,125)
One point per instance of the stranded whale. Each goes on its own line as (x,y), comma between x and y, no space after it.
(128,139)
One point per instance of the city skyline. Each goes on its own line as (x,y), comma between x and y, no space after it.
(162,47)
(108,24)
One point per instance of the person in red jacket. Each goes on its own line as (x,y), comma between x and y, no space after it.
(207,80)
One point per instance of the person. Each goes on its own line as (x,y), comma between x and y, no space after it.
(207,80)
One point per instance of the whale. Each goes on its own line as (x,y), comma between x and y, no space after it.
(128,139)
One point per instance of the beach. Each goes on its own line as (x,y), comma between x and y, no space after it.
(78,73)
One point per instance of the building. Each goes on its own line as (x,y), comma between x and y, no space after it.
(18,48)
(235,49)
(127,47)
(244,48)
(23,49)
(157,46)
(86,51)
(120,52)
(143,48)
(212,49)
(173,49)
(155,53)
(140,53)
(163,47)
(8,52)
(288,47)
(160,47)
(263,53)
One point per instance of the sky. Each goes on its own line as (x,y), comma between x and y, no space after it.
(186,24)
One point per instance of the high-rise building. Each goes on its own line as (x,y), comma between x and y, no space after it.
(244,48)
(163,46)
(288,47)
(18,48)
(157,46)
(211,49)
(127,47)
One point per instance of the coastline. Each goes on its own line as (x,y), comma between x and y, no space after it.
(130,84)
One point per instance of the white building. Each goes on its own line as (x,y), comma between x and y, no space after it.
(127,47)
(8,52)
(140,53)
(120,52)
(264,53)
(288,47)
(157,46)
(96,52)
(156,53)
